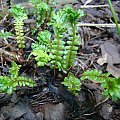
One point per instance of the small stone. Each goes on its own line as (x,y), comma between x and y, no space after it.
(6,115)
(54,111)
(15,98)
(39,116)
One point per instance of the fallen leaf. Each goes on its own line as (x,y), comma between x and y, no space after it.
(110,54)
(113,70)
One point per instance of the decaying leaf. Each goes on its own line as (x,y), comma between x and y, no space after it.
(113,70)
(110,54)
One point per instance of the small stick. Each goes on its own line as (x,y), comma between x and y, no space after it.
(93,6)
(101,102)
(2,7)
(96,25)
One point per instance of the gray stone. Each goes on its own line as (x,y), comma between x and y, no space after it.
(15,98)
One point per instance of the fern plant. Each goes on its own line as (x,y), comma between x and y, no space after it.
(44,38)
(41,57)
(41,48)
(111,85)
(62,53)
(9,83)
(55,47)
(42,11)
(59,28)
(19,16)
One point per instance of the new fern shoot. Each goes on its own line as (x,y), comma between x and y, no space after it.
(19,16)
(71,48)
(41,48)
(42,11)
(9,83)
(59,28)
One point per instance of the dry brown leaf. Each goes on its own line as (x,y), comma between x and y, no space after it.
(113,70)
(110,54)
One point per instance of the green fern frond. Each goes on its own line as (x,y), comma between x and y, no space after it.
(14,70)
(72,44)
(19,16)
(57,22)
(44,38)
(6,85)
(56,54)
(111,85)
(95,75)
(9,84)
(19,32)
(5,34)
(41,57)
(41,10)
(72,83)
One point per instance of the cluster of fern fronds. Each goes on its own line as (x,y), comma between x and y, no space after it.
(62,53)
(110,85)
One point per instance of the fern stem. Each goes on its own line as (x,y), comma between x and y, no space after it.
(58,43)
(114,16)
(73,40)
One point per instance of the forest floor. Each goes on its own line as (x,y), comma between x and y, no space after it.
(99,49)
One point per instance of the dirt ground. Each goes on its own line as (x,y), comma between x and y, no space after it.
(50,100)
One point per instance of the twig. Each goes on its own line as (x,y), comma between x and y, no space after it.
(3,19)
(29,38)
(96,25)
(93,6)
(89,114)
(101,102)
(2,7)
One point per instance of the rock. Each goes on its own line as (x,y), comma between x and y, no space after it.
(54,111)
(105,111)
(12,112)
(39,116)
(6,115)
(15,98)
(18,110)
(4,98)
